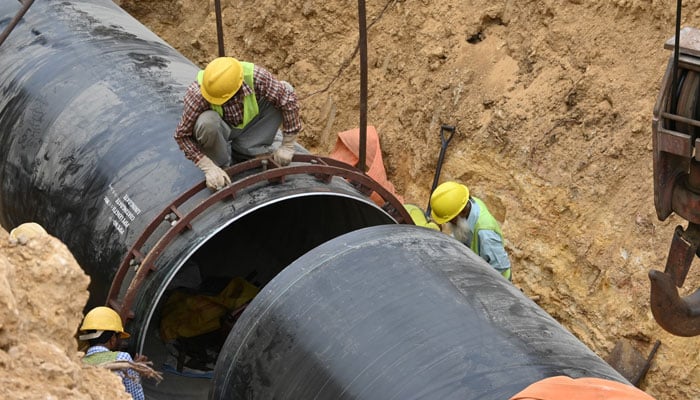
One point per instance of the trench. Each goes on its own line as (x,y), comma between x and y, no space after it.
(344,297)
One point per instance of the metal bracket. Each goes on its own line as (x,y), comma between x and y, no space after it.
(264,170)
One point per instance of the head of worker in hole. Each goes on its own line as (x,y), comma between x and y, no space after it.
(233,111)
(102,329)
(471,223)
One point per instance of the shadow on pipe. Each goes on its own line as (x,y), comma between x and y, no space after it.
(353,303)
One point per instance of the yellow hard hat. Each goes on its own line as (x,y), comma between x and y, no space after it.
(418,217)
(103,319)
(222,78)
(27,230)
(447,201)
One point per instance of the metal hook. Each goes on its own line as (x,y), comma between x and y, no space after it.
(677,315)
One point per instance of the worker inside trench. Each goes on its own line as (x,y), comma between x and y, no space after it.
(199,306)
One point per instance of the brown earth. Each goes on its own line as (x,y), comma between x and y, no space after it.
(552,100)
(39,358)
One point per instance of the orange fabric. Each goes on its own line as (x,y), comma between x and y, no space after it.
(565,388)
(347,150)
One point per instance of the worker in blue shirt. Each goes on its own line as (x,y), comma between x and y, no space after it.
(102,329)
(471,223)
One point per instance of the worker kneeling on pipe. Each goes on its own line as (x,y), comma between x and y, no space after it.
(471,223)
(102,329)
(232,112)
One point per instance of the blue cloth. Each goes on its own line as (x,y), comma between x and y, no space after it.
(491,247)
(130,378)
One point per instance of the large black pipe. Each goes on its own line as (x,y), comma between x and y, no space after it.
(90,100)
(395,312)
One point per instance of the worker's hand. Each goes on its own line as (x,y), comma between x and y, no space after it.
(216,177)
(283,155)
(140,358)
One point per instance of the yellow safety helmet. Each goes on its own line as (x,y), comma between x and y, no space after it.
(222,78)
(418,217)
(27,230)
(102,319)
(447,201)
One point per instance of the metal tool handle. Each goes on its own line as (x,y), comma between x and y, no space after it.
(445,140)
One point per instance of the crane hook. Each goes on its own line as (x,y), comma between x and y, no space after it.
(677,315)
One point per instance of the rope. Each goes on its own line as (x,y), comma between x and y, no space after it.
(143,368)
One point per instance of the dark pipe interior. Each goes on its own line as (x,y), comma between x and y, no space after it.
(279,233)
(256,247)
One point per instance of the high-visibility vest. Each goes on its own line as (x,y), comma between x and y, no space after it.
(101,357)
(488,222)
(485,221)
(250,102)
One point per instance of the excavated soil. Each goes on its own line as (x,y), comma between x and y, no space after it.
(552,101)
(39,358)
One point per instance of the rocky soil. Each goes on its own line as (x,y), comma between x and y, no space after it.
(39,358)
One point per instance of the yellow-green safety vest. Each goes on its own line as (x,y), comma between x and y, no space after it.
(100,358)
(250,103)
(488,222)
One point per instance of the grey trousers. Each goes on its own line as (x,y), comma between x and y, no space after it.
(226,145)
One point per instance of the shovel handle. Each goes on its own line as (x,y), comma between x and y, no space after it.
(445,141)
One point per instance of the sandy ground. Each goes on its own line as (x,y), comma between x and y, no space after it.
(552,101)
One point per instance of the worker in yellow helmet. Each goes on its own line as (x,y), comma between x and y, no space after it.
(471,223)
(102,329)
(233,112)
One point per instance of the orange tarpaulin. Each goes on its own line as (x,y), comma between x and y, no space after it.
(347,150)
(565,388)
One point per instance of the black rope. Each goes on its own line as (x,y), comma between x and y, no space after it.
(219,28)
(25,7)
(361,16)
(676,55)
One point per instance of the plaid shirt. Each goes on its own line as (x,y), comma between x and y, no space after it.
(130,378)
(266,86)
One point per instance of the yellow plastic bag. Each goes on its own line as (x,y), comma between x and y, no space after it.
(187,315)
